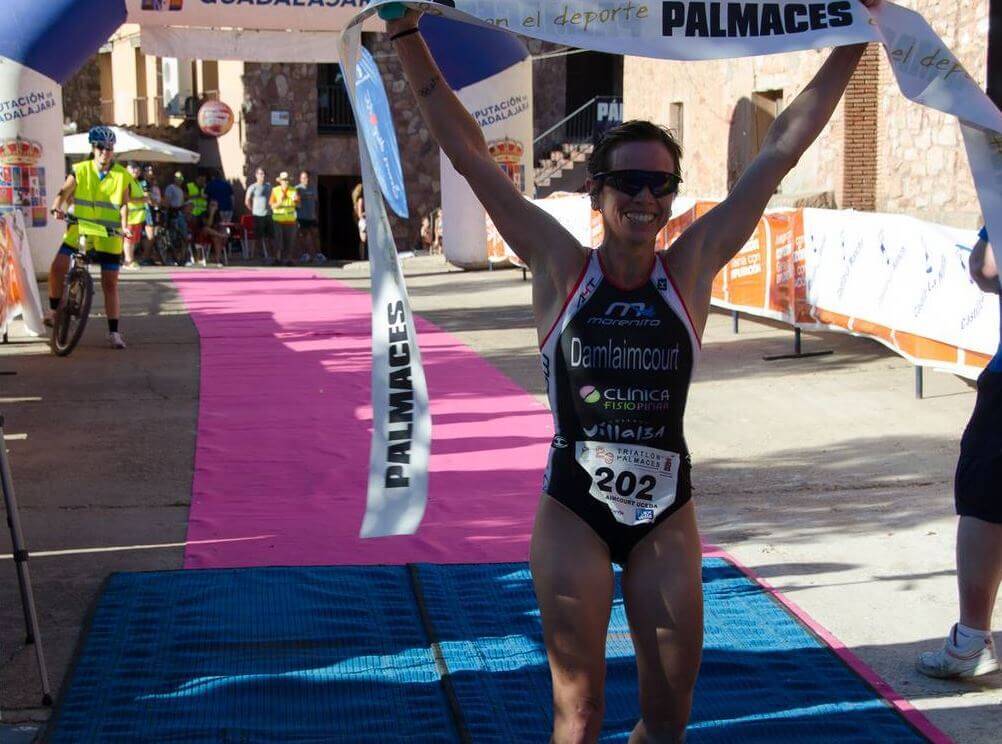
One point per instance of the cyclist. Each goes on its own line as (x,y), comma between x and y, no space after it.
(99,191)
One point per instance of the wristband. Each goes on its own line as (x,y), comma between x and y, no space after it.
(402,34)
(392,11)
(983,233)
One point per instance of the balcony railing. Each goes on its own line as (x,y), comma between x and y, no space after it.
(584,125)
(334,113)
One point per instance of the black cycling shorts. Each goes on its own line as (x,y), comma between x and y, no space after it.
(107,261)
(978,483)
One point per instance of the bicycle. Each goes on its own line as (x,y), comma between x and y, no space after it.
(78,290)
(170,243)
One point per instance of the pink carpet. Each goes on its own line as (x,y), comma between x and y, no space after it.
(284,422)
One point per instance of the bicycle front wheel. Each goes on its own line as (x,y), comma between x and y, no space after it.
(74,309)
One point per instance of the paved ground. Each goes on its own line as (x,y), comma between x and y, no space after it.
(823,474)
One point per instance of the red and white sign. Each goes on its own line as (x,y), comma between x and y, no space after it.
(215,118)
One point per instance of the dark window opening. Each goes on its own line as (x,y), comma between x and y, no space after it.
(333,106)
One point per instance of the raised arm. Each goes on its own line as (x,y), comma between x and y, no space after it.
(534,235)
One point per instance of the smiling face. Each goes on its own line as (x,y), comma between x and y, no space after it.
(104,156)
(634,219)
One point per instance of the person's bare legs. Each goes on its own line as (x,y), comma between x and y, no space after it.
(109,285)
(979,570)
(57,275)
(572,576)
(663,594)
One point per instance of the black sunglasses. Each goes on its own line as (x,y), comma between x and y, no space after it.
(105,148)
(632,182)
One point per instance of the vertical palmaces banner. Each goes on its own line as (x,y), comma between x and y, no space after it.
(926,70)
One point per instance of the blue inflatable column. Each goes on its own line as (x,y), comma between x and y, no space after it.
(42,43)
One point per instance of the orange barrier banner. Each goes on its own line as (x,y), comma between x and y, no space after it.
(18,290)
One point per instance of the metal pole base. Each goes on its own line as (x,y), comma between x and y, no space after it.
(797,352)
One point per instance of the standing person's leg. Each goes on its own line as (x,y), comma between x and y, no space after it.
(979,568)
(663,594)
(572,576)
(969,650)
(110,265)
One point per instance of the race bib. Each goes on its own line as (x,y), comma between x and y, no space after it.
(636,483)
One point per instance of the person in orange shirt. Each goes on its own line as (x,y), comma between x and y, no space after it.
(283,202)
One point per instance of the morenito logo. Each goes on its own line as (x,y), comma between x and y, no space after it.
(636,314)
(743,20)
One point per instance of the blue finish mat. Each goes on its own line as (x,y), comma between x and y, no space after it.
(345,654)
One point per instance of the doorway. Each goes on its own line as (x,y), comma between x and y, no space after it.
(338,227)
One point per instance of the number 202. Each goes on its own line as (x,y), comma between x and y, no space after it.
(625,483)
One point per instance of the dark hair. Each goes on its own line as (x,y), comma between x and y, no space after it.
(635,130)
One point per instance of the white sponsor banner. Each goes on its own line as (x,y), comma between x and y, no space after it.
(901,273)
(274,15)
(401,419)
(502,105)
(240,44)
(927,72)
(31,154)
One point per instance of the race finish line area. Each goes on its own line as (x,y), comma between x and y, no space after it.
(433,637)
(428,653)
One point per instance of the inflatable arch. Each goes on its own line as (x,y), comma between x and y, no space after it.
(44,43)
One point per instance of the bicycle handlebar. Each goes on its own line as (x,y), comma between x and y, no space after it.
(70,219)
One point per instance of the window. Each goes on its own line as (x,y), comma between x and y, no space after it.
(333,106)
(676,120)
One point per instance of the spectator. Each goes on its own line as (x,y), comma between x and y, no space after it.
(214,232)
(437,231)
(149,183)
(306,216)
(138,199)
(219,190)
(358,204)
(257,200)
(427,233)
(175,198)
(283,202)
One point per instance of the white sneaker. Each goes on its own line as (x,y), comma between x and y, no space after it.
(116,340)
(952,662)
(305,258)
(49,319)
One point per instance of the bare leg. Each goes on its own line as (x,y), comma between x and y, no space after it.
(979,570)
(109,285)
(573,580)
(57,275)
(129,248)
(663,593)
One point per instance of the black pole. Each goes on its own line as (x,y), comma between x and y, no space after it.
(918,381)
(735,317)
(32,635)
(994,83)
(796,340)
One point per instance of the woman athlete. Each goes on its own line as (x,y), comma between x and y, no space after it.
(619,328)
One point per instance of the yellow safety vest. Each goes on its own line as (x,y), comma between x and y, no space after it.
(197,198)
(283,205)
(98,200)
(137,203)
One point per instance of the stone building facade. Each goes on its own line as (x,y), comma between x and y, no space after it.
(880,151)
(277,125)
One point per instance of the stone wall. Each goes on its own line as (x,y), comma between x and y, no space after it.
(924,168)
(82,96)
(916,165)
(719,119)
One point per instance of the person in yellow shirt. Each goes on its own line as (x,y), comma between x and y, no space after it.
(283,202)
(138,199)
(98,188)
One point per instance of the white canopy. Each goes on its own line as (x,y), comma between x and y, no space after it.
(131,146)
